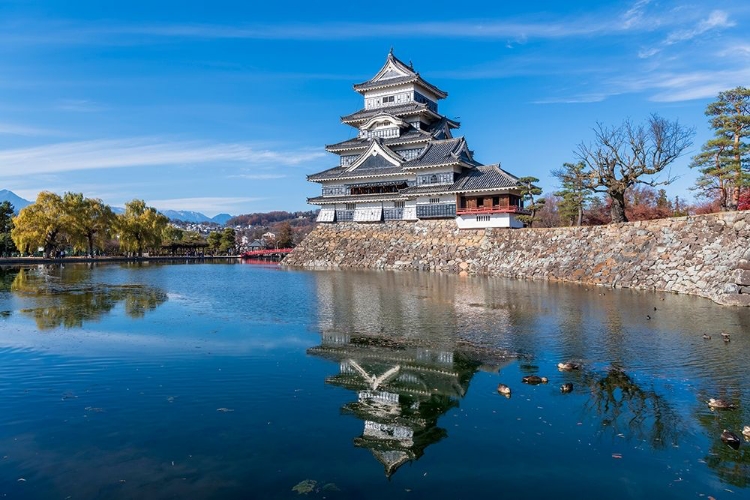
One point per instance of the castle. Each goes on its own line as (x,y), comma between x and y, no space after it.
(405,163)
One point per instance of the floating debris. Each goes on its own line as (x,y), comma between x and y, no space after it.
(224,410)
(534,380)
(94,409)
(305,487)
(504,390)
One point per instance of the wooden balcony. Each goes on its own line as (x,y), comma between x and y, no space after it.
(495,209)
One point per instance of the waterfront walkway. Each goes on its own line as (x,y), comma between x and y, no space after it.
(119,258)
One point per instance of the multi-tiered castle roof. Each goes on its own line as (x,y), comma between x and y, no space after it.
(405,163)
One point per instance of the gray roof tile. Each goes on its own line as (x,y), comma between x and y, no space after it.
(480,178)
(484,177)
(442,152)
(399,109)
(410,135)
(319,200)
(362,171)
(410,76)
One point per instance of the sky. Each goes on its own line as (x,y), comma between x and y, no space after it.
(225,107)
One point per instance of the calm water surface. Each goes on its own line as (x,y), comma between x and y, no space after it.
(238,381)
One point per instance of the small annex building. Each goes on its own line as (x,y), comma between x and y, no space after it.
(406,164)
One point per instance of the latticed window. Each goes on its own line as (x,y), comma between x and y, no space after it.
(439,178)
(344,215)
(436,210)
(334,190)
(351,206)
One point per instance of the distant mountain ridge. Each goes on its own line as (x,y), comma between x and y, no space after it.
(197,217)
(17,202)
(183,215)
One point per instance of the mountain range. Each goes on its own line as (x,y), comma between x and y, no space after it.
(183,215)
(15,200)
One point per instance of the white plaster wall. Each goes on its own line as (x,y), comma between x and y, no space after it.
(410,210)
(425,200)
(496,220)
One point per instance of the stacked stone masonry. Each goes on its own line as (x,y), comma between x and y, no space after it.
(706,255)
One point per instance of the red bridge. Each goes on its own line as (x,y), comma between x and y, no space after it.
(263,253)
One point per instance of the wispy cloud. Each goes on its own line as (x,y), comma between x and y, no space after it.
(258,177)
(673,86)
(577,99)
(634,15)
(518,30)
(207,205)
(80,106)
(137,152)
(647,52)
(715,20)
(16,129)
(735,49)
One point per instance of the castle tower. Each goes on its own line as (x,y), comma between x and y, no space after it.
(405,163)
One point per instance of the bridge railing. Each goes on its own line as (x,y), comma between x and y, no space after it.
(272,251)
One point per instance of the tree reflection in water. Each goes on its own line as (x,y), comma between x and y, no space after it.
(633,411)
(71,300)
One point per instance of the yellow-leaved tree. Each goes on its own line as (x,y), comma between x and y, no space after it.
(140,227)
(88,221)
(40,224)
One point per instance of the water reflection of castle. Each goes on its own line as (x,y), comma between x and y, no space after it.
(406,358)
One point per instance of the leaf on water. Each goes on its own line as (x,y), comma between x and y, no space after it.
(305,487)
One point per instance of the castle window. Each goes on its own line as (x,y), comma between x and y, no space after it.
(434,200)
(433,179)
(389,98)
(398,204)
(351,206)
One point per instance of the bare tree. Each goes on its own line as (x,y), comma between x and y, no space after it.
(622,156)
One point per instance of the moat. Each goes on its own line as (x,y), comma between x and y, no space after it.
(241,381)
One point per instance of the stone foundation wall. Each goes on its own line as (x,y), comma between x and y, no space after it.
(707,255)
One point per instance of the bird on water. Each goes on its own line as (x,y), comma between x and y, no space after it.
(730,439)
(534,380)
(721,404)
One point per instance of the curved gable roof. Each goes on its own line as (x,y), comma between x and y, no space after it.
(377,156)
(396,72)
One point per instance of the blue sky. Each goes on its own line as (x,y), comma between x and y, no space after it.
(225,107)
